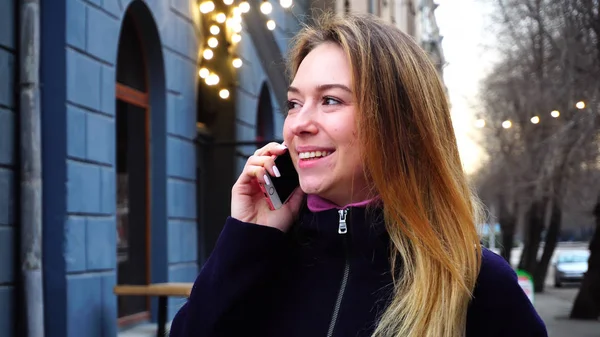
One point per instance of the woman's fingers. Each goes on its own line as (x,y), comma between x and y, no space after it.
(271,149)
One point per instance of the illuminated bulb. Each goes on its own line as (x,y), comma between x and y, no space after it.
(207,7)
(214,29)
(236,27)
(480,123)
(212,79)
(235,38)
(506,124)
(535,119)
(237,62)
(285,3)
(203,73)
(580,105)
(237,11)
(221,17)
(228,2)
(208,54)
(266,7)
(271,25)
(244,6)
(224,93)
(555,113)
(213,42)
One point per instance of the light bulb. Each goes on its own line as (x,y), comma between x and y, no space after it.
(207,7)
(212,79)
(555,113)
(235,38)
(237,62)
(208,54)
(224,93)
(203,72)
(221,17)
(266,7)
(244,6)
(213,42)
(237,11)
(580,105)
(535,119)
(214,29)
(285,3)
(236,27)
(271,25)
(506,124)
(228,2)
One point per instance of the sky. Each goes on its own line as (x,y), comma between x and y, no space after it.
(466,46)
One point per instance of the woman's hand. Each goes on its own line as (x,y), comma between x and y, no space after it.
(248,202)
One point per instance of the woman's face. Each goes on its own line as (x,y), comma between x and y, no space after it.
(320,129)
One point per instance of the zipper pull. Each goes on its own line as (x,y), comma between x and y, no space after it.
(342,228)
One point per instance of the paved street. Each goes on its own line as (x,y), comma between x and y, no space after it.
(554,306)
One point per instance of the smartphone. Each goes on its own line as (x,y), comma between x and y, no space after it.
(281,188)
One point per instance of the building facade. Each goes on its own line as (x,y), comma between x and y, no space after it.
(148,111)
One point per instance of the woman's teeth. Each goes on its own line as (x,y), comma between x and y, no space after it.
(313,154)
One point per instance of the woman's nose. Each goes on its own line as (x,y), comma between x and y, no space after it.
(304,123)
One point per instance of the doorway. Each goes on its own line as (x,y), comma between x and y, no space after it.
(133,173)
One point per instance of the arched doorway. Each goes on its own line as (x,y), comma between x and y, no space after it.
(133,170)
(264,116)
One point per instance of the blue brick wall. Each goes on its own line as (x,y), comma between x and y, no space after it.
(8,183)
(91,33)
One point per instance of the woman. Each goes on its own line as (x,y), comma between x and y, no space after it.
(370,134)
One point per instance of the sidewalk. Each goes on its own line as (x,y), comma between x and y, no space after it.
(554,310)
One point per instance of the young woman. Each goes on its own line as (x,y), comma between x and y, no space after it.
(380,239)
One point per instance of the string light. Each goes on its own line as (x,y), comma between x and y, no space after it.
(221,17)
(224,93)
(207,7)
(480,123)
(535,119)
(555,113)
(244,7)
(266,7)
(506,124)
(237,62)
(580,105)
(203,73)
(227,24)
(208,54)
(213,42)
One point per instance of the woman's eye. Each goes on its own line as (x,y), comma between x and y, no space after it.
(330,101)
(292,105)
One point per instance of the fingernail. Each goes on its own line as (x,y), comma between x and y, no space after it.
(276,171)
(282,146)
(267,180)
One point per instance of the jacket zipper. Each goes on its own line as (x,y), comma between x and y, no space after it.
(342,230)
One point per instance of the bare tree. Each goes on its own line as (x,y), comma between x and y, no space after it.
(550,57)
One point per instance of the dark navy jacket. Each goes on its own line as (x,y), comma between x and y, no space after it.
(318,281)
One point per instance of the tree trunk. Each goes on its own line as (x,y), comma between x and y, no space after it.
(587,302)
(508,223)
(533,232)
(539,277)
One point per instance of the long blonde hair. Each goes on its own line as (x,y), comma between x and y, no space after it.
(411,156)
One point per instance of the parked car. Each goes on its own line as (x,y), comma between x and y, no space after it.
(570,266)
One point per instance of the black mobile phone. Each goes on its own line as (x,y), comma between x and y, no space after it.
(281,188)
